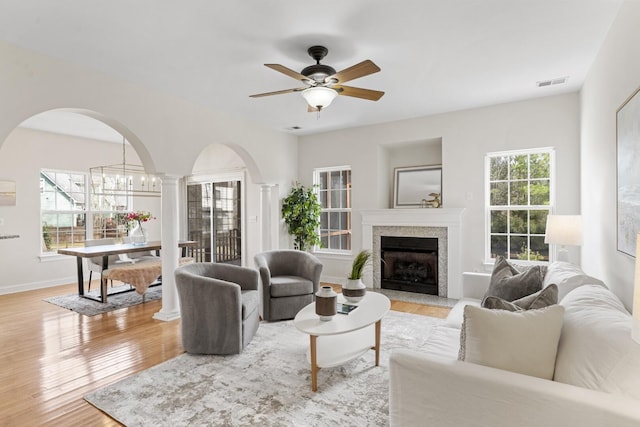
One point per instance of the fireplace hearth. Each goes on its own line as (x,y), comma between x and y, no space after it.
(409,264)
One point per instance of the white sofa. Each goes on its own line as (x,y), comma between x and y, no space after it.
(597,361)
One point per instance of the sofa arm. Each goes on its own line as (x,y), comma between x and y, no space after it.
(475,285)
(430,390)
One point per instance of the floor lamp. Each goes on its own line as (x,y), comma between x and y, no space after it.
(564,230)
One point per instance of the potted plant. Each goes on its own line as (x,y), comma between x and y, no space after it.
(354,290)
(301,213)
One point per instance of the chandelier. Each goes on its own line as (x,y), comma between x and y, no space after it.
(113,187)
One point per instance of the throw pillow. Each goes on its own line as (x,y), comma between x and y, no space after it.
(525,342)
(508,283)
(543,298)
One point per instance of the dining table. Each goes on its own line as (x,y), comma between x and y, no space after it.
(105,251)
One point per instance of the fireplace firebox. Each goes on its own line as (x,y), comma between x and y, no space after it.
(409,264)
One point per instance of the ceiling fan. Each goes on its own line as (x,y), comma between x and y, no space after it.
(324,83)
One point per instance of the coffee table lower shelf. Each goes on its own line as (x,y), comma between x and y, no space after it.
(336,350)
(328,351)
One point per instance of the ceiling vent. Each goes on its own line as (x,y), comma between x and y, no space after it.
(552,82)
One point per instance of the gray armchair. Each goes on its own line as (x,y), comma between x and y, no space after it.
(219,307)
(290,280)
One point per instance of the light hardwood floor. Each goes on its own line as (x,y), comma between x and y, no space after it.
(50,357)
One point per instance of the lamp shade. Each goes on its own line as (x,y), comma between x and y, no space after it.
(319,96)
(564,230)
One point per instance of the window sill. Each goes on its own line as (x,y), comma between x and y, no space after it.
(53,257)
(333,255)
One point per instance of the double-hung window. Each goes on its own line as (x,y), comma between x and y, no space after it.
(519,196)
(334,193)
(63,209)
(70,213)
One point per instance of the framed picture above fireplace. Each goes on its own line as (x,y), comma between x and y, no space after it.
(417,186)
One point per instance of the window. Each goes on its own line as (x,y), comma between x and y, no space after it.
(66,219)
(519,189)
(334,193)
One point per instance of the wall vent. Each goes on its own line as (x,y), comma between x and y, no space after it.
(552,82)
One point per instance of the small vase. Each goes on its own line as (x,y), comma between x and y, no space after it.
(137,235)
(354,290)
(326,303)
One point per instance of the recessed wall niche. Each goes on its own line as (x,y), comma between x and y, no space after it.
(411,153)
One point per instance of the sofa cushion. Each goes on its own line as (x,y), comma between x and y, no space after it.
(568,277)
(444,341)
(543,298)
(287,286)
(596,350)
(525,342)
(456,315)
(508,283)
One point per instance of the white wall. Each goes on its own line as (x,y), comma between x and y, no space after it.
(466,137)
(22,156)
(614,76)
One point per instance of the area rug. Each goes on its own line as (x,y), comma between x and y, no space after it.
(89,307)
(269,384)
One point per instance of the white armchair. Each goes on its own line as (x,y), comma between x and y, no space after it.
(95,263)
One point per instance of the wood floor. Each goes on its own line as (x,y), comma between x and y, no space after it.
(50,357)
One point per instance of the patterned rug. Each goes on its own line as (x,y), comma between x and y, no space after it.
(269,384)
(89,307)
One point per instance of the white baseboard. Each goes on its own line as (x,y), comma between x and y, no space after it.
(23,287)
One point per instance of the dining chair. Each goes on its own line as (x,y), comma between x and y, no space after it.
(95,263)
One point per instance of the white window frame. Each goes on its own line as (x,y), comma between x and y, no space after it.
(316,182)
(86,211)
(488,208)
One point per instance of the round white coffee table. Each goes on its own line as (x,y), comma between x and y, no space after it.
(346,336)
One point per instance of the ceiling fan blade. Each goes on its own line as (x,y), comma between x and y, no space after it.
(277,92)
(356,92)
(354,72)
(289,72)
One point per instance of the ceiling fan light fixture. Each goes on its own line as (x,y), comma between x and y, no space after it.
(319,97)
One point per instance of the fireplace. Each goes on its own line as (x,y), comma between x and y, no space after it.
(441,223)
(409,264)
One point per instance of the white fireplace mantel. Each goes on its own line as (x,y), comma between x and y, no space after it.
(450,218)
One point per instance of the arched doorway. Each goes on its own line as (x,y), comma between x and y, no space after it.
(90,196)
(219,195)
(60,147)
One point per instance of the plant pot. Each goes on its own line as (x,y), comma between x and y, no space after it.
(326,303)
(354,290)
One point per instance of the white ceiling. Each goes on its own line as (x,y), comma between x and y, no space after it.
(436,55)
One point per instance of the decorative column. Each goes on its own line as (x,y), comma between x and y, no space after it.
(265,217)
(170,253)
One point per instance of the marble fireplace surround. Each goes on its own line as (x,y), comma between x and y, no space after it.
(442,223)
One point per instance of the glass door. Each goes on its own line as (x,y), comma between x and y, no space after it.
(215,221)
